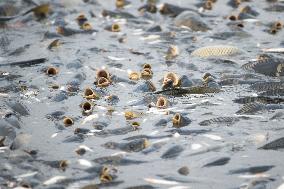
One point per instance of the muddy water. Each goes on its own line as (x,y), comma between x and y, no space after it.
(77,60)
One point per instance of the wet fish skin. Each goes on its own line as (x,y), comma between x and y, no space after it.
(189,131)
(274,93)
(252,170)
(216,51)
(173,152)
(267,66)
(146,86)
(260,183)
(13,120)
(190,90)
(274,145)
(56,115)
(61,96)
(117,131)
(117,14)
(251,108)
(162,122)
(275,8)
(78,138)
(278,115)
(173,10)
(149,7)
(141,187)
(54,164)
(19,50)
(7,130)
(81,131)
(18,107)
(185,81)
(191,20)
(147,137)
(230,34)
(183,170)
(26,63)
(156,28)
(267,86)
(132,146)
(20,140)
(219,162)
(261,99)
(219,120)
(116,160)
(153,148)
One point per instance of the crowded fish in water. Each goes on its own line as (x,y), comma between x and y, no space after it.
(141,94)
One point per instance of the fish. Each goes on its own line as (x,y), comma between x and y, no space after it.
(273,93)
(13,120)
(216,51)
(117,14)
(132,146)
(180,120)
(25,63)
(54,180)
(58,164)
(251,108)
(117,160)
(118,131)
(192,21)
(7,130)
(18,107)
(218,162)
(172,152)
(20,141)
(267,86)
(230,34)
(274,145)
(189,131)
(260,99)
(174,10)
(183,170)
(220,120)
(74,138)
(189,90)
(274,50)
(148,7)
(252,170)
(160,181)
(141,187)
(267,66)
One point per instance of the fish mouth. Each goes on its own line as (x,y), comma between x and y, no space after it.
(171,80)
(103,82)
(162,103)
(51,71)
(176,120)
(103,73)
(68,121)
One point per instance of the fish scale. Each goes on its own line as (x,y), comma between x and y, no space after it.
(276,92)
(219,120)
(251,108)
(274,145)
(191,90)
(261,99)
(266,66)
(218,50)
(266,86)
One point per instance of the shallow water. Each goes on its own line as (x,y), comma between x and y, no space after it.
(84,53)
